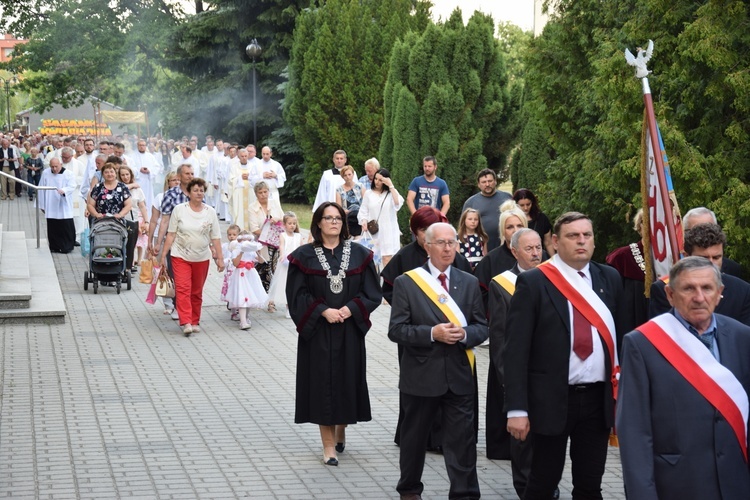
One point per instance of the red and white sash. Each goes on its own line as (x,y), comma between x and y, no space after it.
(580,294)
(710,378)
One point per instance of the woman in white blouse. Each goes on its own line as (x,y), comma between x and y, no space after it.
(193,227)
(381,204)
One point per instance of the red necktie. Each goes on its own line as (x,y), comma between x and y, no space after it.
(442,277)
(583,346)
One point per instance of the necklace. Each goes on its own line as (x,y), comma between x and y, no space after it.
(637,256)
(336,282)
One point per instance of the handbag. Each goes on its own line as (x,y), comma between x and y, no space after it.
(372,225)
(270,233)
(147,271)
(85,243)
(164,284)
(151,296)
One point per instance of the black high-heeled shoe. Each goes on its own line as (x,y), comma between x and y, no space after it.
(340,447)
(330,461)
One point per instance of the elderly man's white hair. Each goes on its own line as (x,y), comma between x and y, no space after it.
(518,234)
(431,230)
(695,212)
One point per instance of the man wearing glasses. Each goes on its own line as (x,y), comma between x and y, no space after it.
(437,316)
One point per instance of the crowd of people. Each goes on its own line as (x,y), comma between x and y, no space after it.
(567,336)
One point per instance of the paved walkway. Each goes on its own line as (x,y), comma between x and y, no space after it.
(116,403)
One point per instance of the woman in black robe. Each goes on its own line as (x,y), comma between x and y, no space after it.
(631,264)
(332,288)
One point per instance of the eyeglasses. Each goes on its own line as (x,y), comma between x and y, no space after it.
(332,220)
(443,243)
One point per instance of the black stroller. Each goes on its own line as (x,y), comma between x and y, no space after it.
(107,257)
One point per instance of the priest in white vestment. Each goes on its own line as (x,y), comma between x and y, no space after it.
(331,180)
(272,173)
(146,170)
(71,164)
(242,177)
(57,206)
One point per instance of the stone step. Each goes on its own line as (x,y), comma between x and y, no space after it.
(15,286)
(47,305)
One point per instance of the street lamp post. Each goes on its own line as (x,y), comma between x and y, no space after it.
(253,50)
(7,83)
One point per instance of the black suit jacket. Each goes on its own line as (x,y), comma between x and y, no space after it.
(673,443)
(735,301)
(728,266)
(433,368)
(537,348)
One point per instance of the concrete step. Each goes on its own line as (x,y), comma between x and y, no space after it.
(47,305)
(15,286)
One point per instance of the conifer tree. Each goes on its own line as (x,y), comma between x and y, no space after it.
(446,96)
(339,62)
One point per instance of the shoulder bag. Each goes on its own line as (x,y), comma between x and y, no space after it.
(164,284)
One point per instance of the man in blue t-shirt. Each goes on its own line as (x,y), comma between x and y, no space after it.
(428,190)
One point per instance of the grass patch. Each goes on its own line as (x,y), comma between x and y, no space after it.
(304,213)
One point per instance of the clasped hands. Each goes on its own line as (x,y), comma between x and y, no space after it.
(448,333)
(337,315)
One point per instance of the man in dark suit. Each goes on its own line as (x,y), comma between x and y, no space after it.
(526,245)
(702,215)
(437,317)
(682,410)
(708,240)
(559,361)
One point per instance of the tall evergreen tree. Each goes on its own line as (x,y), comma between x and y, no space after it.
(447,96)
(338,68)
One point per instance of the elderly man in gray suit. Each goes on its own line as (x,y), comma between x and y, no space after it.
(682,411)
(438,317)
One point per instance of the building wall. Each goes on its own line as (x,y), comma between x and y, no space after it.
(540,17)
(7,45)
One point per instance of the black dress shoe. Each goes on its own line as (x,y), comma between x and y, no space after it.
(340,447)
(76,244)
(331,461)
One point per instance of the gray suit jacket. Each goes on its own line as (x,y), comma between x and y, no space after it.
(673,443)
(433,368)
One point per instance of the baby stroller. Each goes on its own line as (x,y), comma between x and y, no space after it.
(108,240)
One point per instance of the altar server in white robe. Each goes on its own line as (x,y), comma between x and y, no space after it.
(223,171)
(57,206)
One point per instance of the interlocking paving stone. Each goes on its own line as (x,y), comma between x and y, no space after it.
(116,403)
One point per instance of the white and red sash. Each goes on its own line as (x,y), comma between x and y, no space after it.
(698,366)
(580,294)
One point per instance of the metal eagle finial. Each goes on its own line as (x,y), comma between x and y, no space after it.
(641,71)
